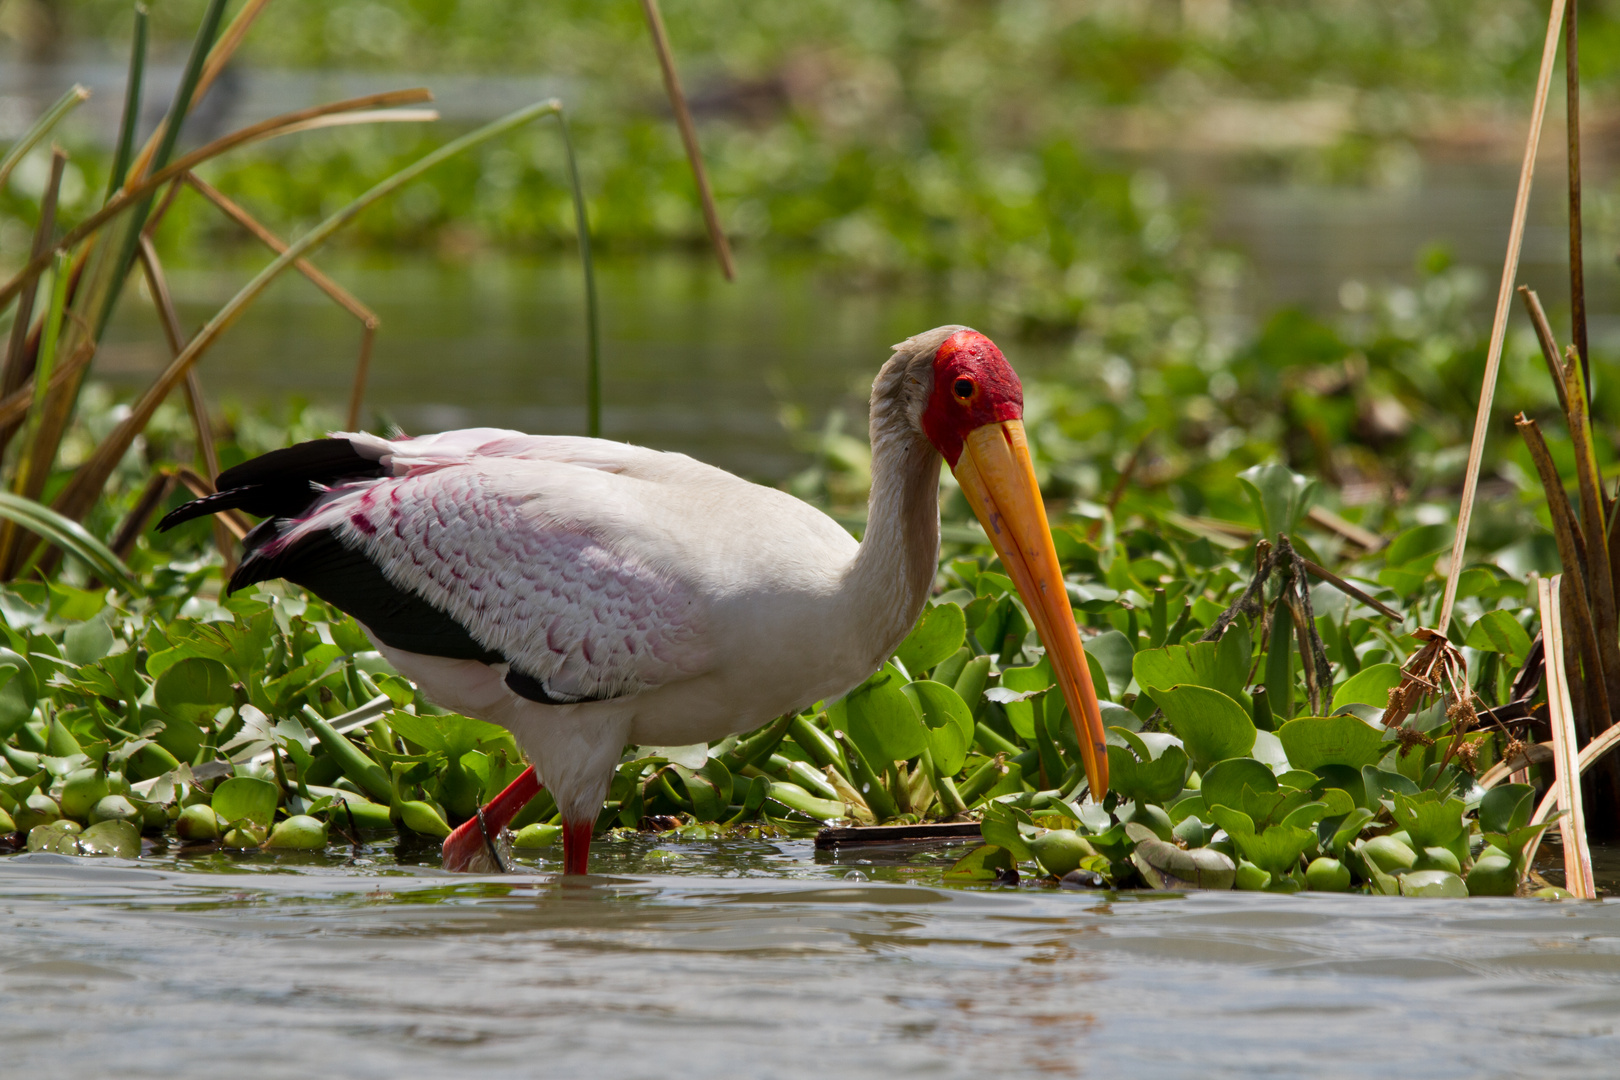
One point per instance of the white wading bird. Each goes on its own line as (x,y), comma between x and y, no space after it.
(587,594)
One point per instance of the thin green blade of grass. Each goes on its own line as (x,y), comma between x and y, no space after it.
(1504,295)
(132,104)
(85,486)
(71,537)
(106,288)
(310,119)
(65,104)
(13,374)
(593,331)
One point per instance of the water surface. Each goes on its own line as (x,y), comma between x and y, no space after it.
(757,959)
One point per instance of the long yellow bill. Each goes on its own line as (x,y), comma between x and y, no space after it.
(999,480)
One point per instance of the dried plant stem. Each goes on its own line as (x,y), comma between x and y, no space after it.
(163,300)
(1572,119)
(1572,554)
(287,124)
(1493,356)
(1327,519)
(683,121)
(84,488)
(1566,763)
(153,495)
(341,296)
(1549,344)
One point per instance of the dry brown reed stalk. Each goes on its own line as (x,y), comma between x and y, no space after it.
(1532,754)
(1493,356)
(158,285)
(1548,343)
(153,495)
(683,121)
(1577,612)
(82,490)
(339,295)
(1363,538)
(371,108)
(1566,763)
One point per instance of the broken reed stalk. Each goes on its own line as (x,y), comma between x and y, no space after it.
(683,121)
(339,295)
(1572,120)
(1493,356)
(1548,343)
(1566,764)
(63,105)
(85,486)
(1572,555)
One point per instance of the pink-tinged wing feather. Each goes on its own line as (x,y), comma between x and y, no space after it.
(478,540)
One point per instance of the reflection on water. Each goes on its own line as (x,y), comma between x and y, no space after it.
(755,959)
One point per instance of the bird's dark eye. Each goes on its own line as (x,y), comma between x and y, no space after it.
(963,388)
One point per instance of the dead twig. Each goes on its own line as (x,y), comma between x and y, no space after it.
(683,121)
(1548,343)
(1566,764)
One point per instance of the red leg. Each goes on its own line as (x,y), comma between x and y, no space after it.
(577,846)
(468,848)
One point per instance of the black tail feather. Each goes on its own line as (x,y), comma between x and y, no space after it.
(280,483)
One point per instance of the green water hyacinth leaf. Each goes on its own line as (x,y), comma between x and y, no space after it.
(939,632)
(449,734)
(1313,742)
(1498,631)
(1506,807)
(88,641)
(1025,680)
(193,688)
(1218,666)
(245,798)
(949,723)
(19,692)
(1165,866)
(1513,842)
(980,864)
(709,789)
(1281,497)
(1433,884)
(1349,829)
(1369,686)
(1001,828)
(1429,820)
(1277,850)
(1136,774)
(1114,654)
(1211,725)
(882,720)
(1223,783)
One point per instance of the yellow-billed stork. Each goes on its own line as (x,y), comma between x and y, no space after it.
(586,594)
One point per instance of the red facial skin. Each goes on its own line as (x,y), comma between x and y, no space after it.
(994,393)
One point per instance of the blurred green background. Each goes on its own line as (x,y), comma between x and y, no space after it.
(1223,231)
